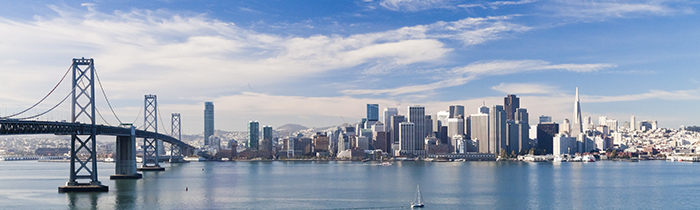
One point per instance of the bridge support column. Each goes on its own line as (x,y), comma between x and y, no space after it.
(125,162)
(150,144)
(83,148)
(176,150)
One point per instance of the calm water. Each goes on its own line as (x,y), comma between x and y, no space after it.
(355,185)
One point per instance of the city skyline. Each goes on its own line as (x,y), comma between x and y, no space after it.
(254,60)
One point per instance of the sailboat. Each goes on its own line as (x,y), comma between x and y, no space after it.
(418,202)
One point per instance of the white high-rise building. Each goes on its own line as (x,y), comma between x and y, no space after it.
(602,120)
(565,127)
(612,125)
(480,131)
(416,115)
(577,122)
(633,123)
(455,126)
(442,117)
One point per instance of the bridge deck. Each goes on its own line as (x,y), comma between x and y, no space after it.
(23,127)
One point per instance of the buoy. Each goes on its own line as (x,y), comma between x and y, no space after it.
(186,189)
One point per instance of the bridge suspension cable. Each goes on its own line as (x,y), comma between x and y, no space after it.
(100,114)
(42,100)
(106,99)
(47,111)
(162,123)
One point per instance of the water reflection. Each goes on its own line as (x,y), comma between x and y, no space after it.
(82,200)
(126,194)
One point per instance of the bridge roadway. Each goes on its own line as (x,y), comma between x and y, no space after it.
(25,127)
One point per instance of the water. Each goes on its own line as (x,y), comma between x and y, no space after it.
(356,185)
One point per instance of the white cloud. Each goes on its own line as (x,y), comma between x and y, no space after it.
(159,52)
(524,88)
(414,5)
(601,9)
(462,75)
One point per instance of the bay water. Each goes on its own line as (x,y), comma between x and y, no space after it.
(368,185)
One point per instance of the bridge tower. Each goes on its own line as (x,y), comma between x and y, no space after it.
(150,144)
(176,131)
(83,146)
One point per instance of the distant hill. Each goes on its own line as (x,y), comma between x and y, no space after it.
(291,127)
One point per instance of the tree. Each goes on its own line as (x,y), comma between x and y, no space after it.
(504,154)
(512,154)
(613,154)
(532,151)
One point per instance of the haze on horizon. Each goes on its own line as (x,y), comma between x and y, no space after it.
(311,62)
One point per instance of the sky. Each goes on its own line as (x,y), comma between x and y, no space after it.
(318,63)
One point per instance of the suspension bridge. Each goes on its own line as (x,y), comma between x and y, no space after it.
(83,130)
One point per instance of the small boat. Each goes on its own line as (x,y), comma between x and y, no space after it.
(386,163)
(418,202)
(108,160)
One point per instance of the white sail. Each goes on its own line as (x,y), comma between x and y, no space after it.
(418,201)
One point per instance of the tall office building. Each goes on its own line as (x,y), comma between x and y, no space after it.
(545,136)
(633,123)
(511,103)
(565,127)
(497,130)
(455,127)
(457,111)
(480,131)
(483,109)
(441,120)
(267,138)
(612,125)
(372,112)
(602,120)
(522,120)
(388,112)
(416,115)
(428,125)
(395,121)
(253,134)
(208,121)
(577,122)
(545,119)
(407,137)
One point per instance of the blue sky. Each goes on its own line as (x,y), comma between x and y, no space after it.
(311,62)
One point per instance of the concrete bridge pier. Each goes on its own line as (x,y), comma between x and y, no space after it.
(125,161)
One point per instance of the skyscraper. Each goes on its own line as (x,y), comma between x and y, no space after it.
(253,134)
(416,115)
(208,121)
(511,103)
(545,136)
(483,109)
(457,111)
(480,131)
(633,123)
(455,126)
(407,137)
(545,119)
(267,138)
(373,112)
(577,122)
(441,120)
(497,130)
(388,112)
(395,121)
